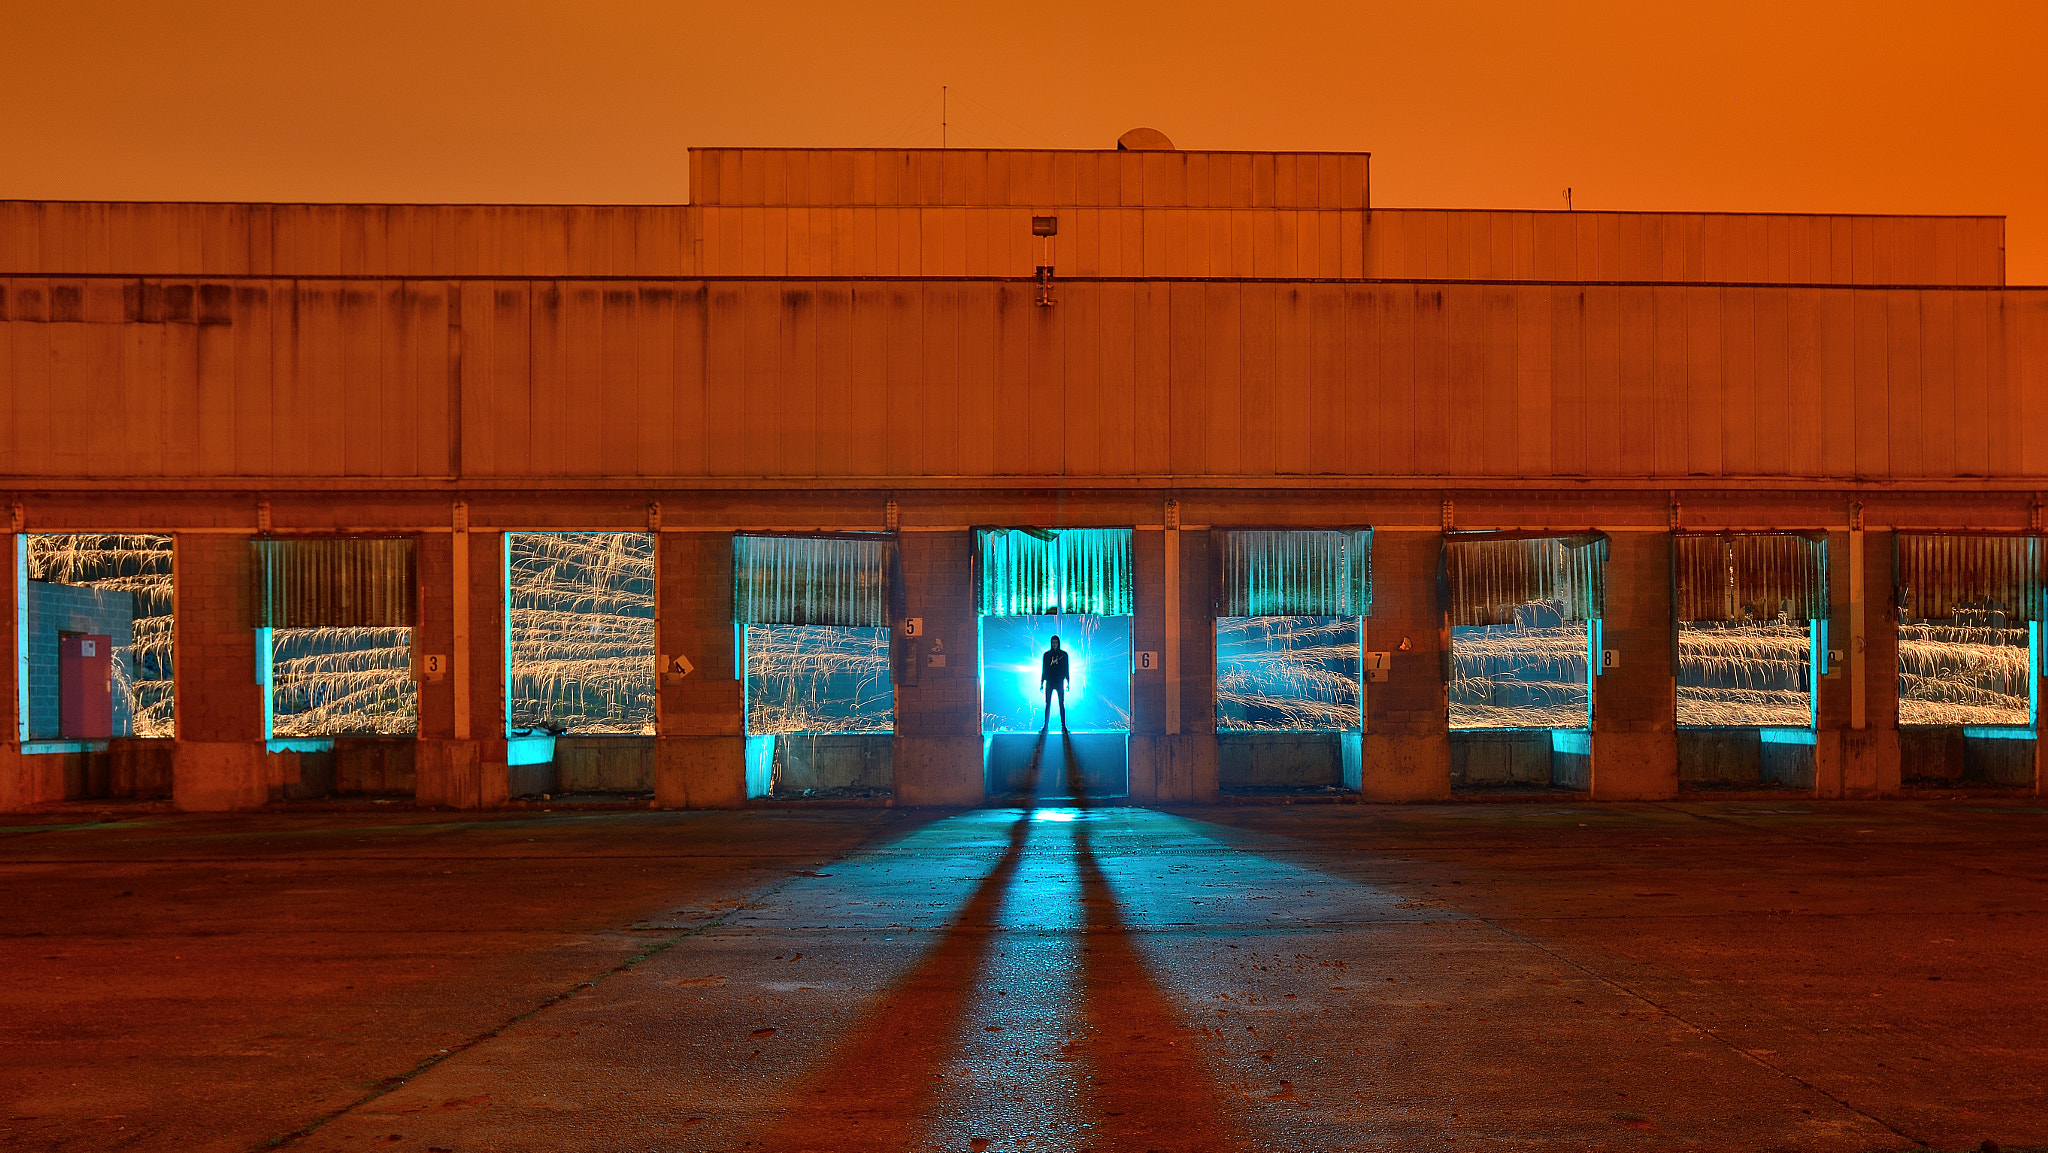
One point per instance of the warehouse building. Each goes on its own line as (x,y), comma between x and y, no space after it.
(781,495)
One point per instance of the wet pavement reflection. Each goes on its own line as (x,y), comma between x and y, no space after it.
(1078,975)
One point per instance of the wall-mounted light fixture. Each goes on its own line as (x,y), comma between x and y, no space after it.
(1045,228)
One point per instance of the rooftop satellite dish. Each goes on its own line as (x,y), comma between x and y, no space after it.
(1144,140)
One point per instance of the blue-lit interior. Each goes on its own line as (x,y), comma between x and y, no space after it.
(818,679)
(1099,673)
(1288,674)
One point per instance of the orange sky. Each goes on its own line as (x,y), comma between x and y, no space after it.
(1858,107)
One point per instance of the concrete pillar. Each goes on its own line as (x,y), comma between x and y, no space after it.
(938,746)
(1405,754)
(1831,692)
(1869,761)
(700,759)
(460,760)
(218,761)
(1635,705)
(1173,754)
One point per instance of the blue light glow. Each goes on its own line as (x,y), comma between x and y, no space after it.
(1099,667)
(1287,674)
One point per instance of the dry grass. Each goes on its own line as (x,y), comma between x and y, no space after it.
(1957,674)
(343,682)
(1287,674)
(818,679)
(582,631)
(1526,675)
(1742,674)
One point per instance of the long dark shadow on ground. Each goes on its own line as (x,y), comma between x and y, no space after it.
(1151,1090)
(880,1083)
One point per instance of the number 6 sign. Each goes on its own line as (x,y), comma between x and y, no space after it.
(1145,662)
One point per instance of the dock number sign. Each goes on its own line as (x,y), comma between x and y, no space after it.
(1144,662)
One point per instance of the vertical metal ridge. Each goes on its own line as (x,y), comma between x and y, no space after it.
(335,582)
(1942,574)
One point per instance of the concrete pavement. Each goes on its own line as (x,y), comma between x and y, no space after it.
(1705,976)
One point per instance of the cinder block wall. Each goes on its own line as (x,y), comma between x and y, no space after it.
(938,753)
(1198,635)
(1635,710)
(54,609)
(1151,762)
(458,767)
(10,656)
(20,784)
(1406,751)
(218,697)
(1174,767)
(219,761)
(487,643)
(700,755)
(434,632)
(1148,633)
(1870,757)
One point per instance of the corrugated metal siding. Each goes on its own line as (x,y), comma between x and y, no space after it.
(1684,247)
(335,583)
(1750,576)
(187,239)
(1029,572)
(1350,243)
(934,177)
(1295,573)
(1228,215)
(1489,578)
(810,581)
(1940,573)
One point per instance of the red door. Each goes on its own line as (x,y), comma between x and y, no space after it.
(85,686)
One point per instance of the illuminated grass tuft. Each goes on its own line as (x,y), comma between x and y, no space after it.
(1287,674)
(582,631)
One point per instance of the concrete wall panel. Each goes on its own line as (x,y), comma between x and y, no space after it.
(766,379)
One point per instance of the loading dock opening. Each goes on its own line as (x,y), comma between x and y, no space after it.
(1970,610)
(1524,613)
(579,662)
(1033,585)
(1751,618)
(334,621)
(813,615)
(1290,705)
(107,598)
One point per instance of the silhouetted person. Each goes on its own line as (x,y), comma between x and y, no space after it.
(1052,675)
